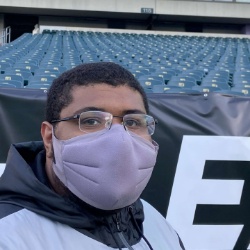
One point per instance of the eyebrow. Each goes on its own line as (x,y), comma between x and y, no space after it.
(133,111)
(88,109)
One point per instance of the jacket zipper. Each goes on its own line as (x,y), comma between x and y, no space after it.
(121,236)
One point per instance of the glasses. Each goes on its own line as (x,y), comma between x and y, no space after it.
(93,121)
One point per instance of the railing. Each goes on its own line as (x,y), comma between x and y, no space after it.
(5,36)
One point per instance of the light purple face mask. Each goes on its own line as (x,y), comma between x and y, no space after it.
(108,170)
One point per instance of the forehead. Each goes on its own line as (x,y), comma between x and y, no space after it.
(116,100)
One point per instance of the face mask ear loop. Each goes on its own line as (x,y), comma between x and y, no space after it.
(54,159)
(53,152)
(53,130)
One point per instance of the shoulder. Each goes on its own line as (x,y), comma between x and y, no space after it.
(158,230)
(25,229)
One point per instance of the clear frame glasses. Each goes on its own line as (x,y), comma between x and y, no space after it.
(93,121)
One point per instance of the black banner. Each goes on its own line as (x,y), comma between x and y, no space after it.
(183,114)
(21,112)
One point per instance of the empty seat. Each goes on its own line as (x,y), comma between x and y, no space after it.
(54,74)
(150,83)
(18,84)
(242,89)
(7,85)
(215,82)
(231,92)
(206,88)
(38,85)
(54,67)
(139,71)
(25,73)
(172,89)
(180,81)
(196,74)
(42,78)
(4,66)
(30,67)
(183,79)
(165,74)
(7,77)
(151,77)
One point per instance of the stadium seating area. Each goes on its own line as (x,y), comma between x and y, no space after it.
(161,63)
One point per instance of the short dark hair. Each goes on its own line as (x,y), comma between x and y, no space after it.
(59,94)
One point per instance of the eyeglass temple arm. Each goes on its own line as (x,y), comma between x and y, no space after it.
(66,119)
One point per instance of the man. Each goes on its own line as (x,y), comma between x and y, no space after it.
(80,188)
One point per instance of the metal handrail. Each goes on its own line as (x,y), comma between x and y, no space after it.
(5,35)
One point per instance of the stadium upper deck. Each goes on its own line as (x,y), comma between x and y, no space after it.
(155,13)
(212,8)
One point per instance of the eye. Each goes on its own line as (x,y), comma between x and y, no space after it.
(90,122)
(133,123)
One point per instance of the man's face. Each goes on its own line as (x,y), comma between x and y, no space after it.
(118,101)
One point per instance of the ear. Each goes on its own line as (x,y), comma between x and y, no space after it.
(46,132)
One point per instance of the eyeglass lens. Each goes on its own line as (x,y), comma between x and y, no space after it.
(93,121)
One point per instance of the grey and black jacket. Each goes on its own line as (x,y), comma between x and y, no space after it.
(33,216)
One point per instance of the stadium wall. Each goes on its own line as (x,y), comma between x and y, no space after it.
(71,22)
(164,7)
(47,22)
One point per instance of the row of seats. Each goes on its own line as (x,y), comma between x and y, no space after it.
(160,62)
(23,77)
